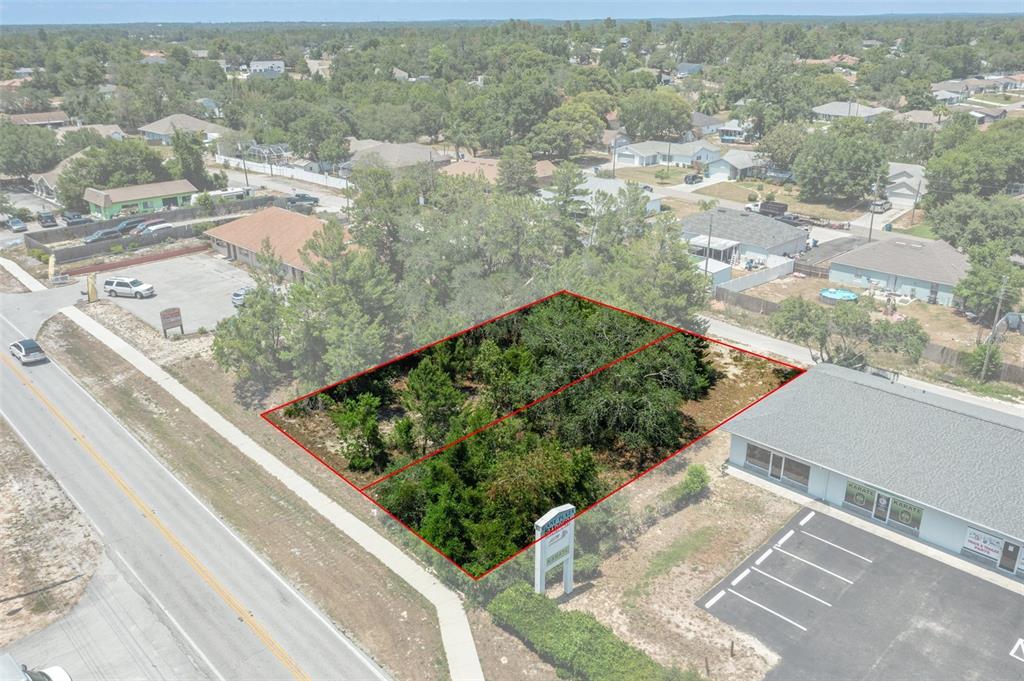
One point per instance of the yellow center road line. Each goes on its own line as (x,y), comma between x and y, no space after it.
(243,614)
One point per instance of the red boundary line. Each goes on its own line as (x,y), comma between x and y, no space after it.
(674,329)
(523,408)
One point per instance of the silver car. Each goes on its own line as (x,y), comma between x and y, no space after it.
(125,286)
(27,351)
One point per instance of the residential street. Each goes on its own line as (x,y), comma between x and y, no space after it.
(329,199)
(240,619)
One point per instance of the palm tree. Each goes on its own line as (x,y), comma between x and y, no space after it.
(709,103)
(940,111)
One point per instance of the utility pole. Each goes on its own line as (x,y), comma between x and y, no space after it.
(917,195)
(707,251)
(871,224)
(991,338)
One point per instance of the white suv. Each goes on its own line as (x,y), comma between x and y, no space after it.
(124,286)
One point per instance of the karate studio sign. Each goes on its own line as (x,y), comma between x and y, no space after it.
(555,549)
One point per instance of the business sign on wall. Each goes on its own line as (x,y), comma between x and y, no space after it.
(556,548)
(983,543)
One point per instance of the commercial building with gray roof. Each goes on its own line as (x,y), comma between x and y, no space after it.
(945,471)
(755,235)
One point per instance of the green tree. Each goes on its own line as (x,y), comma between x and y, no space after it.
(567,131)
(967,220)
(115,164)
(843,163)
(782,145)
(709,102)
(187,164)
(843,334)
(990,275)
(431,395)
(517,171)
(26,149)
(659,114)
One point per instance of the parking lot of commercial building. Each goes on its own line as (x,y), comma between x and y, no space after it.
(199,284)
(835,601)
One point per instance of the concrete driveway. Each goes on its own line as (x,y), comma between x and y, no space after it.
(31,202)
(200,284)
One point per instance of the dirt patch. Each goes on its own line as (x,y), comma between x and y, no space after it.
(49,550)
(788,194)
(791,286)
(680,207)
(145,338)
(647,591)
(9,284)
(370,604)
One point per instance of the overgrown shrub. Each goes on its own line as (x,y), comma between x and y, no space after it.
(692,486)
(575,642)
(974,362)
(587,566)
(752,196)
(39,254)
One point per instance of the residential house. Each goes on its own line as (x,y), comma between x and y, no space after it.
(27,71)
(45,119)
(106,90)
(906,184)
(286,231)
(832,111)
(399,75)
(319,67)
(596,187)
(654,152)
(140,198)
(269,68)
(111,131)
(737,164)
(933,468)
(158,59)
(921,118)
(161,131)
(981,115)
(946,97)
(717,272)
(869,43)
(703,125)
(209,108)
(735,132)
(925,269)
(200,54)
(741,235)
(625,42)
(684,69)
(44,185)
(391,154)
(613,139)
(488,169)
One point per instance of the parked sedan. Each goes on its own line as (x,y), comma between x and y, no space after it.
(302,200)
(693,178)
(27,351)
(102,235)
(157,227)
(16,225)
(126,226)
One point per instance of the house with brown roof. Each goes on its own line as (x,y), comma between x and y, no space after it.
(287,232)
(46,119)
(139,198)
(488,169)
(44,185)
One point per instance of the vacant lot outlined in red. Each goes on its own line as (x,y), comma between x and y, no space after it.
(672,331)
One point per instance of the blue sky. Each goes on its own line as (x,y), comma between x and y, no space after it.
(121,11)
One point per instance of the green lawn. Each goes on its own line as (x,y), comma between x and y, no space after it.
(922,229)
(675,553)
(649,174)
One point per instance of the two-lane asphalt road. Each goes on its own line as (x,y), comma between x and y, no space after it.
(239,617)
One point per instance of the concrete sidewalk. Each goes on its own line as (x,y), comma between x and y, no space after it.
(456,635)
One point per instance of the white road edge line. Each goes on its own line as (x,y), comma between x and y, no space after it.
(784,539)
(767,609)
(763,556)
(826,541)
(170,617)
(740,577)
(806,518)
(714,599)
(813,565)
(372,664)
(787,584)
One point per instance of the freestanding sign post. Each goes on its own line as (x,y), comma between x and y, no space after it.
(171,318)
(555,549)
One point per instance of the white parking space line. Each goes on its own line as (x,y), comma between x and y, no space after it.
(740,577)
(763,556)
(714,599)
(767,609)
(813,565)
(837,546)
(806,518)
(784,539)
(787,584)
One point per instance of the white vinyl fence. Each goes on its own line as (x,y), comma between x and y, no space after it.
(283,171)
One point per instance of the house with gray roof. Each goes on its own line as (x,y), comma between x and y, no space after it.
(655,152)
(269,68)
(738,164)
(925,269)
(928,466)
(832,111)
(702,125)
(391,154)
(597,188)
(737,233)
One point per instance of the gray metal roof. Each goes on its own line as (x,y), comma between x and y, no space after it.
(746,228)
(929,260)
(951,455)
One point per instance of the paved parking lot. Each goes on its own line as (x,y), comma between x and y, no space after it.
(836,602)
(199,284)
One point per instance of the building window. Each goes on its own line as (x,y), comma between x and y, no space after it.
(759,456)
(796,471)
(861,496)
(906,514)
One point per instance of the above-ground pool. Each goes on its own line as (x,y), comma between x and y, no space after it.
(834,295)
